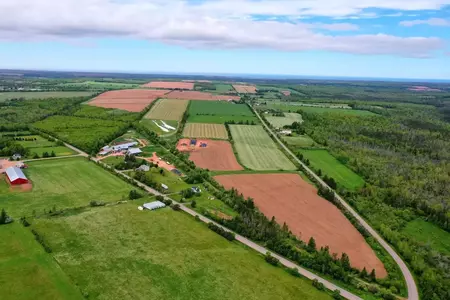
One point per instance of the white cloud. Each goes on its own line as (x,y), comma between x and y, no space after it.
(217,24)
(431,22)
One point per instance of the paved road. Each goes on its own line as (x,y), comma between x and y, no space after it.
(413,293)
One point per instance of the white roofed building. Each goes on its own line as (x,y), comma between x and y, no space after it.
(154,205)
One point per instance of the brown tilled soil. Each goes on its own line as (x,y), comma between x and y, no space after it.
(290,199)
(245,89)
(170,85)
(216,156)
(286,93)
(129,100)
(194,95)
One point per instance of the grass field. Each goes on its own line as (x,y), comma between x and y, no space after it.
(287,120)
(119,252)
(27,272)
(63,183)
(41,145)
(257,151)
(223,88)
(320,110)
(323,160)
(299,141)
(168,109)
(41,95)
(428,234)
(153,127)
(219,112)
(101,85)
(210,131)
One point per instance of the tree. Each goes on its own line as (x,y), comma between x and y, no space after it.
(345,261)
(363,273)
(53,154)
(193,204)
(311,245)
(4,218)
(373,276)
(336,294)
(134,195)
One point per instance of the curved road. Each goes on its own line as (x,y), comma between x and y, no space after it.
(413,293)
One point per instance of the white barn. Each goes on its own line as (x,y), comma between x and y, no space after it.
(154,205)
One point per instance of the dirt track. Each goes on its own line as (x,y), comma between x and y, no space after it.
(216,156)
(292,200)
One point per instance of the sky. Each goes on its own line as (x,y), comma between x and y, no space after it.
(348,38)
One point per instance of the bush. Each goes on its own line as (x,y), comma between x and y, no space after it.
(96,203)
(167,202)
(24,222)
(193,204)
(4,218)
(271,260)
(295,272)
(318,285)
(134,195)
(226,234)
(41,241)
(159,198)
(337,294)
(176,207)
(197,218)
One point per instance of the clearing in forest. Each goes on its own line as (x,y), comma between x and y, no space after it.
(330,166)
(161,254)
(205,131)
(210,154)
(219,112)
(168,109)
(290,199)
(170,85)
(286,120)
(245,89)
(256,150)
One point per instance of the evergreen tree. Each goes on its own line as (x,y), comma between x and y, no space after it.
(345,261)
(312,245)
(363,273)
(373,276)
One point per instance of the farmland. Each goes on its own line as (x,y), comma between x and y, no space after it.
(170,85)
(319,110)
(256,150)
(100,85)
(216,156)
(84,133)
(219,112)
(292,200)
(106,113)
(150,124)
(186,262)
(195,95)
(223,88)
(205,131)
(168,109)
(37,145)
(330,166)
(63,183)
(41,95)
(27,271)
(287,120)
(130,100)
(244,89)
(302,141)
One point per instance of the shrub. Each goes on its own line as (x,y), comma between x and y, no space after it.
(193,204)
(167,202)
(318,285)
(226,234)
(336,294)
(176,207)
(295,272)
(96,203)
(271,260)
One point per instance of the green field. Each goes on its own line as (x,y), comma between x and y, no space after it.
(27,272)
(101,85)
(106,113)
(41,95)
(62,183)
(429,234)
(330,166)
(153,127)
(320,110)
(219,112)
(41,145)
(287,120)
(256,150)
(302,141)
(119,252)
(222,88)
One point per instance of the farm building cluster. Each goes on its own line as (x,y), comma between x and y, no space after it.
(128,148)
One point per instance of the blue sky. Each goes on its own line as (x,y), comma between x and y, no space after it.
(364,38)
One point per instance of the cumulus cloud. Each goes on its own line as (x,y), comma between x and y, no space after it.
(430,22)
(217,24)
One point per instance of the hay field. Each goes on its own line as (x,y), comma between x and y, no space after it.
(41,95)
(202,130)
(119,252)
(257,151)
(287,120)
(219,112)
(168,109)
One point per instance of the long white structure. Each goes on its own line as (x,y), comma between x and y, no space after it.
(154,205)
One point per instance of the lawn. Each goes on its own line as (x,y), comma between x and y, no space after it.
(219,112)
(27,272)
(256,150)
(287,120)
(168,109)
(428,234)
(302,141)
(330,166)
(119,252)
(205,131)
(39,145)
(41,95)
(63,183)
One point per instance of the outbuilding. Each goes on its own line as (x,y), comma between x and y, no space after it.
(154,205)
(134,151)
(15,176)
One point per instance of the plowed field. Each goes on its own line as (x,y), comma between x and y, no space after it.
(193,95)
(205,131)
(245,89)
(171,85)
(290,199)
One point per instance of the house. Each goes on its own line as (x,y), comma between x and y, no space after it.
(154,205)
(196,189)
(124,146)
(165,187)
(286,132)
(17,156)
(144,168)
(15,176)
(134,151)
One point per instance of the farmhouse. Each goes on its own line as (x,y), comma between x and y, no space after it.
(154,205)
(15,176)
(134,151)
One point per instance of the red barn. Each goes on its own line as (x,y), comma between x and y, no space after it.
(15,176)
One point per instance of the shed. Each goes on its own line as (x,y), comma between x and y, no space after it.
(144,168)
(134,151)
(123,146)
(164,186)
(17,156)
(15,176)
(154,205)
